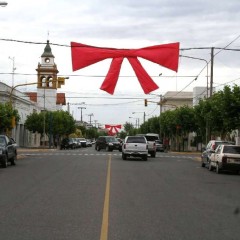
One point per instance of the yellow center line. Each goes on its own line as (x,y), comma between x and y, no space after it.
(104,230)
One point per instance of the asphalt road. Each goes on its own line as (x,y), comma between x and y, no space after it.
(89,195)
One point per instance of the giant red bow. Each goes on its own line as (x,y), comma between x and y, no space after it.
(113,129)
(166,55)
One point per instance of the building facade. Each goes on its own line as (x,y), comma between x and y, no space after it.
(45,98)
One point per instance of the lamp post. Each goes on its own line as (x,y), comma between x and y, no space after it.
(137,122)
(211,89)
(144,115)
(201,59)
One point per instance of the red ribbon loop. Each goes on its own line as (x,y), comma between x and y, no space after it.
(166,55)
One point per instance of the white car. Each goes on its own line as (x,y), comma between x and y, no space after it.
(135,146)
(225,157)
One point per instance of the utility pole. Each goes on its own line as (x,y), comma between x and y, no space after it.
(81,111)
(13,69)
(211,76)
(90,115)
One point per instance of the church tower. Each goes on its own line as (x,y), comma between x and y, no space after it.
(47,80)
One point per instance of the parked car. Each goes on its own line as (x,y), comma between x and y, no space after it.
(68,143)
(8,151)
(226,157)
(83,142)
(135,146)
(159,146)
(88,143)
(211,147)
(107,142)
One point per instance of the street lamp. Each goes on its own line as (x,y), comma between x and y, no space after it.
(144,115)
(201,59)
(137,121)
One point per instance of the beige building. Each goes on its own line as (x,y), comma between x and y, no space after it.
(172,99)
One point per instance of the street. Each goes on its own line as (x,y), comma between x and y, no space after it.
(91,195)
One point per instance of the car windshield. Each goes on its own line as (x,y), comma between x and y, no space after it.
(231,149)
(111,139)
(151,138)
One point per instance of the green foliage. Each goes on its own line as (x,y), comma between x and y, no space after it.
(7,113)
(128,127)
(218,115)
(57,123)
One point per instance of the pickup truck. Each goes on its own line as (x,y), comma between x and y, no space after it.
(151,138)
(135,146)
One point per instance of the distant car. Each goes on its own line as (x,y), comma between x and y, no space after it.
(211,147)
(83,142)
(68,143)
(159,146)
(8,151)
(226,157)
(151,138)
(135,146)
(88,143)
(108,143)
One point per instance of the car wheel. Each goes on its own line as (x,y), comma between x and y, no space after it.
(145,158)
(5,162)
(124,157)
(153,155)
(203,164)
(210,168)
(218,171)
(13,160)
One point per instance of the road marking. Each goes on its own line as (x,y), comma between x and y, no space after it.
(104,230)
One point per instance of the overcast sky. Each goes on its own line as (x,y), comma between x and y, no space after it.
(120,24)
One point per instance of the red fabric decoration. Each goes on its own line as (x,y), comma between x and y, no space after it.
(166,55)
(113,129)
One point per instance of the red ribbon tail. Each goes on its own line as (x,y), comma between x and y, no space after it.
(111,79)
(148,85)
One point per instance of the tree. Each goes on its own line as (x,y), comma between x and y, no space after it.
(128,127)
(9,117)
(57,123)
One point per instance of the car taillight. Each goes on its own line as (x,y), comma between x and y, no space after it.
(224,159)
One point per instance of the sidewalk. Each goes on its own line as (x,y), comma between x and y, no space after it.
(35,149)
